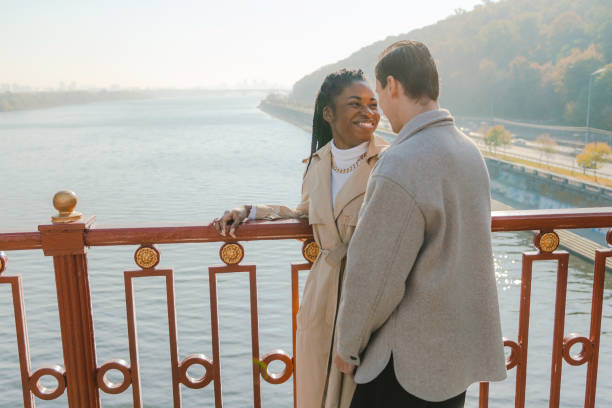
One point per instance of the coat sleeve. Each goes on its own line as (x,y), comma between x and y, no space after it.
(276,212)
(381,255)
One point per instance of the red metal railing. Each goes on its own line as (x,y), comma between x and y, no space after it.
(82,378)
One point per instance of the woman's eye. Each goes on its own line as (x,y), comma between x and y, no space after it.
(374,106)
(355,104)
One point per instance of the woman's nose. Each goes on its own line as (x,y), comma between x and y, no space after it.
(369,111)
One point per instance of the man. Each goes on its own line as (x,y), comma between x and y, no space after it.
(419,316)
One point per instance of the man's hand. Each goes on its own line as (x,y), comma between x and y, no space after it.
(343,366)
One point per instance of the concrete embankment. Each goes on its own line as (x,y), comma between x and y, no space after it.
(513,187)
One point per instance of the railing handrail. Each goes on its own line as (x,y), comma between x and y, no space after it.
(571,218)
(516,220)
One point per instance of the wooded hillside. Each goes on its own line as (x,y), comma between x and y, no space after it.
(516,59)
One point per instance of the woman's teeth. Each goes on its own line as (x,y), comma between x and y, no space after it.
(367,125)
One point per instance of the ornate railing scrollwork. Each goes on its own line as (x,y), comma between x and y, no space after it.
(3,262)
(43,392)
(546,241)
(585,354)
(276,355)
(231,253)
(147,257)
(69,237)
(515,353)
(108,386)
(196,359)
(310,250)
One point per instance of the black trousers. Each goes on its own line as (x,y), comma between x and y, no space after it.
(385,392)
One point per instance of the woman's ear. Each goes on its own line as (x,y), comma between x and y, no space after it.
(328,115)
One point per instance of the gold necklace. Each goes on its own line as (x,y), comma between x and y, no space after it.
(350,168)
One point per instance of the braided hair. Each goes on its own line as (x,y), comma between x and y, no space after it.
(332,86)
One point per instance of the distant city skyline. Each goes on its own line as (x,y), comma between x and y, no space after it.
(75,86)
(185,44)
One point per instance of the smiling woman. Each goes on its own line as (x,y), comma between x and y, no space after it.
(343,152)
(338,107)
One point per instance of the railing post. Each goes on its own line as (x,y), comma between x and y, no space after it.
(64,241)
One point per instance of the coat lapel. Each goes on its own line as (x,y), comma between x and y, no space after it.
(321,210)
(356,184)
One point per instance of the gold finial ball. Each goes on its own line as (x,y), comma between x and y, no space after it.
(65,201)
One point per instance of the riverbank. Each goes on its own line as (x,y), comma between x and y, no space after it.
(10,101)
(607,182)
(18,101)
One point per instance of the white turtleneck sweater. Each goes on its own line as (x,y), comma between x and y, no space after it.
(343,158)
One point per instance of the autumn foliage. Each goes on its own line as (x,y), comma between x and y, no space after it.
(593,156)
(497,136)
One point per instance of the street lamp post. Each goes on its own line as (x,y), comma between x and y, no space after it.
(588,115)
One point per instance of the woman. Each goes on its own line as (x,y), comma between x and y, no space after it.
(343,152)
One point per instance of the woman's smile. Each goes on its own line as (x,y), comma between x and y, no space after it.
(365,124)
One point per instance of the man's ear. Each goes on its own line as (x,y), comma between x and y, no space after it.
(328,115)
(393,86)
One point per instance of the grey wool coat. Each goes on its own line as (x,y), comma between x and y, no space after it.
(420,283)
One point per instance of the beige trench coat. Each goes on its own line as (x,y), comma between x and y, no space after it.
(319,383)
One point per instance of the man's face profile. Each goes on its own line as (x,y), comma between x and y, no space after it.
(385,102)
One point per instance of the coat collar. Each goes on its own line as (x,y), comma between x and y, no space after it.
(357,182)
(353,187)
(436,117)
(377,145)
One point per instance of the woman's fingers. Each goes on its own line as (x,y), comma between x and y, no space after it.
(225,221)
(229,222)
(237,219)
(215,224)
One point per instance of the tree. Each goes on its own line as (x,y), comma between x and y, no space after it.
(593,156)
(547,146)
(497,136)
(519,59)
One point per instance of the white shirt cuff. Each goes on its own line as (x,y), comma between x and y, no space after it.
(252,213)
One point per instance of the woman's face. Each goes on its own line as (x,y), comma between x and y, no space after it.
(355,115)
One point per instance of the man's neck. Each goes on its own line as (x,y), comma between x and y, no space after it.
(410,110)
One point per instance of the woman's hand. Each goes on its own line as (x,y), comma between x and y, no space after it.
(230,220)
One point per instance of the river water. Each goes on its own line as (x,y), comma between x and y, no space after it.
(181,161)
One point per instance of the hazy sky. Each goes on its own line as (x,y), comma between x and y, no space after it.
(152,43)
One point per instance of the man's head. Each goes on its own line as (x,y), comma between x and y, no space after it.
(406,82)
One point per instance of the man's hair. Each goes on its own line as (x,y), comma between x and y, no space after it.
(410,63)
